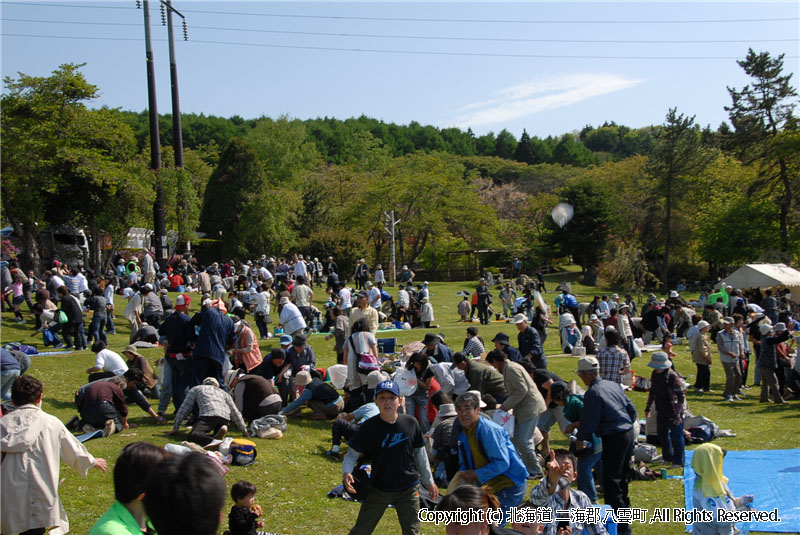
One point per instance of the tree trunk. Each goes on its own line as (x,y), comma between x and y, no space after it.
(400,243)
(785,203)
(667,235)
(29,258)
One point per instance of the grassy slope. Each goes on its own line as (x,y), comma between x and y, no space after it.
(292,475)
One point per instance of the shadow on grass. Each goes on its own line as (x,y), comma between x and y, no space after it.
(60,404)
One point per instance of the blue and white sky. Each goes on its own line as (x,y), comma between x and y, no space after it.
(547,67)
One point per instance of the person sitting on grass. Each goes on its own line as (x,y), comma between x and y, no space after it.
(554,492)
(323,399)
(710,491)
(187,496)
(127,516)
(216,410)
(243,518)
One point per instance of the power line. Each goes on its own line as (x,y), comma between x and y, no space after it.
(411,52)
(408,19)
(432,37)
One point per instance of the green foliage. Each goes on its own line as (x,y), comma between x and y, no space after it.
(677,156)
(570,151)
(759,114)
(625,266)
(505,145)
(61,161)
(717,241)
(585,236)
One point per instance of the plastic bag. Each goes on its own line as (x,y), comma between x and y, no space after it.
(406,380)
(504,419)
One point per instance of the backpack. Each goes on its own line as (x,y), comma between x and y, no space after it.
(242,452)
(701,433)
(17,346)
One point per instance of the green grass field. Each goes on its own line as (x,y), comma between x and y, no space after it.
(293,476)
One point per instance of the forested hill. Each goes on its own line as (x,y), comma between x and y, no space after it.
(609,142)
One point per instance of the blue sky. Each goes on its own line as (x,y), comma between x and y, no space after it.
(479,65)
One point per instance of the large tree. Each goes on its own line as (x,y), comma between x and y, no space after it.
(760,113)
(677,156)
(61,161)
(585,236)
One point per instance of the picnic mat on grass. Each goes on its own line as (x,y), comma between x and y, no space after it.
(772,476)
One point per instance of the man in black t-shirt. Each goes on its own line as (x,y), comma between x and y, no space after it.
(394,444)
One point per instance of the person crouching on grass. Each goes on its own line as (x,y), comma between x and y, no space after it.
(395,445)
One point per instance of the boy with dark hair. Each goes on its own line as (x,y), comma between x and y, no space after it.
(242,520)
(174,502)
(127,515)
(396,447)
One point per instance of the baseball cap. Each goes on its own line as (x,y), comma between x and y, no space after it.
(389,386)
(588,364)
(286,339)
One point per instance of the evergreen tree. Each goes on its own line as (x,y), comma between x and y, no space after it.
(524,152)
(505,145)
(677,156)
(759,114)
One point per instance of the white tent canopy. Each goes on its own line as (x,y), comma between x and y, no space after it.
(764,276)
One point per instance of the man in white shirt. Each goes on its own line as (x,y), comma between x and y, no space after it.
(402,297)
(379,277)
(374,295)
(345,303)
(106,364)
(300,269)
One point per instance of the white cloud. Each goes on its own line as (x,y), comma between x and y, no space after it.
(532,97)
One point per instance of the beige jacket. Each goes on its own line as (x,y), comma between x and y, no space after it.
(369,313)
(523,396)
(701,349)
(33,444)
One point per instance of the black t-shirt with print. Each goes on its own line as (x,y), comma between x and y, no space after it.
(390,448)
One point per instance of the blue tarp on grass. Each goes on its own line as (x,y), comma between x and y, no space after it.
(772,476)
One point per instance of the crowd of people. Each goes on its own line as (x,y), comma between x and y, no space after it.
(480,413)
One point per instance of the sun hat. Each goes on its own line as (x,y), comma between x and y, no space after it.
(302,378)
(593,317)
(430,338)
(284,300)
(471,394)
(502,338)
(588,364)
(765,329)
(702,324)
(659,361)
(446,410)
(374,377)
(519,318)
(780,327)
(673,294)
(132,349)
(230,377)
(727,320)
